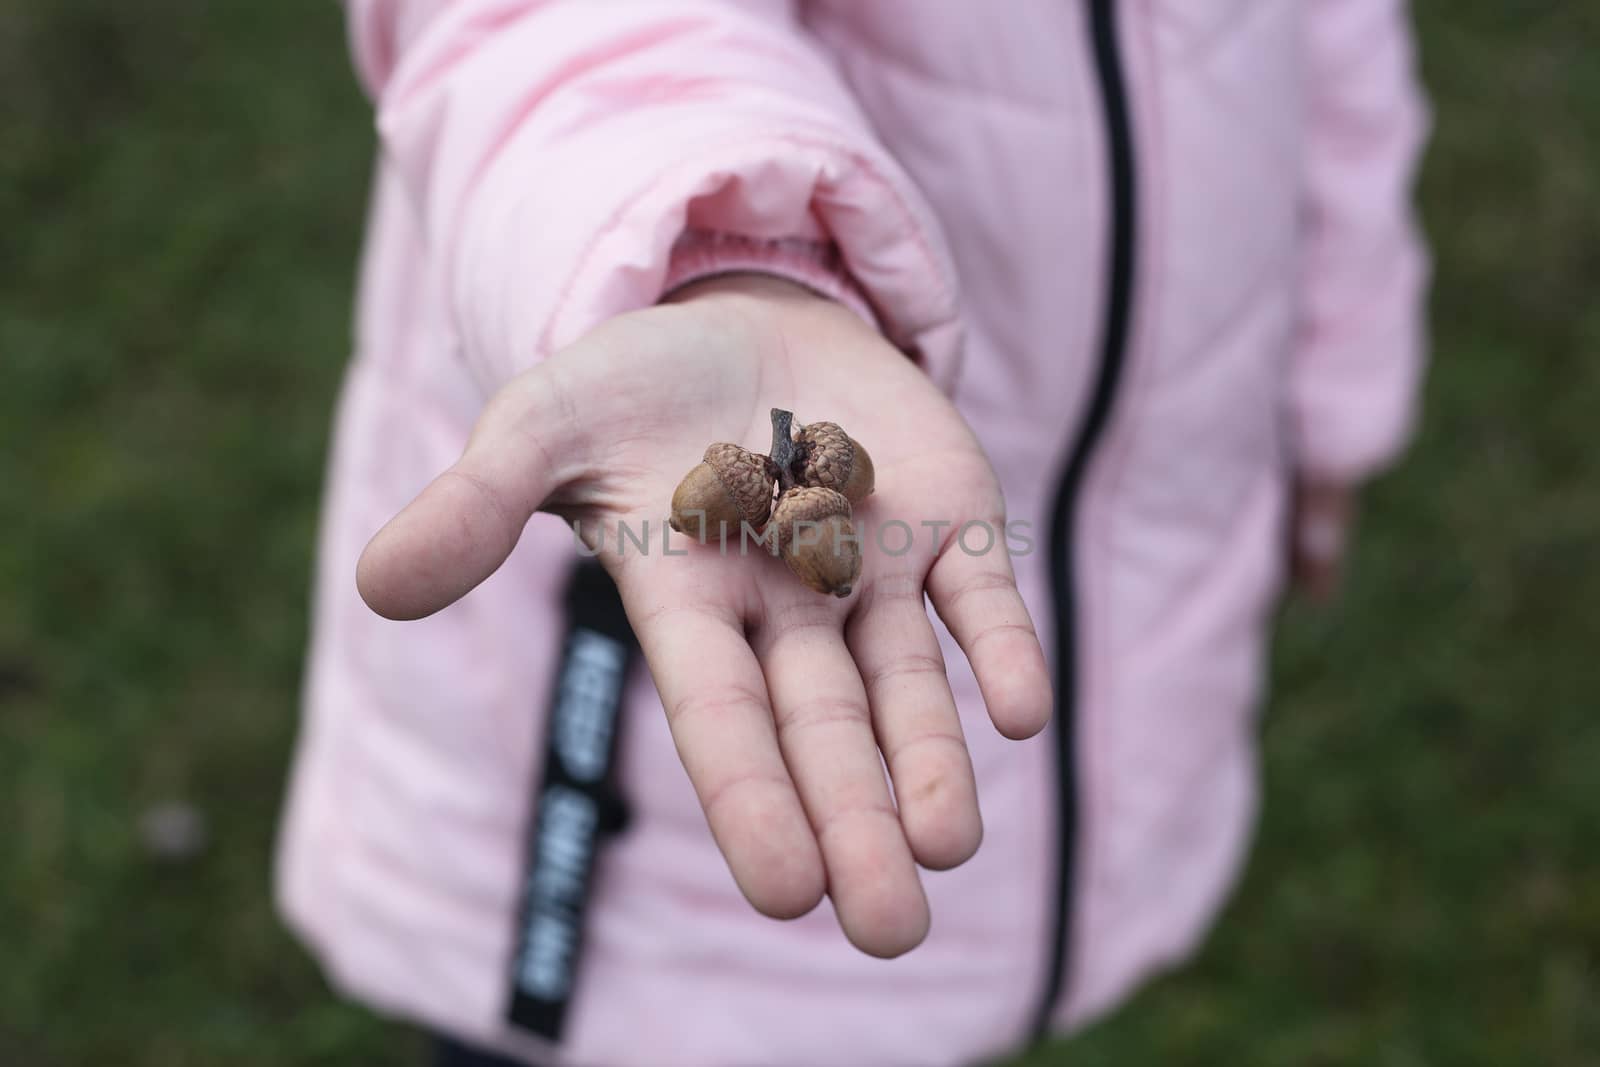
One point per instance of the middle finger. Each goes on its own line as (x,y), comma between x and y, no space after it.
(826,736)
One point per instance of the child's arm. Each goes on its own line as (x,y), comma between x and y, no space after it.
(557,150)
(1358,363)
(558,153)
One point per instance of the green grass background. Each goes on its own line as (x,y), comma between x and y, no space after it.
(181,192)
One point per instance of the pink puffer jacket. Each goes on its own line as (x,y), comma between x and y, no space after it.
(1175,236)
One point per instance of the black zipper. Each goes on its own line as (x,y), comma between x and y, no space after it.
(1064,515)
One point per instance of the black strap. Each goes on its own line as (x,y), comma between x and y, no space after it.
(577,801)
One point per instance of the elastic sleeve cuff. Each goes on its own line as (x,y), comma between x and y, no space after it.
(530,280)
(814,264)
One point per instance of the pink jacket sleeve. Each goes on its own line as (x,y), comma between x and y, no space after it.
(570,160)
(1358,361)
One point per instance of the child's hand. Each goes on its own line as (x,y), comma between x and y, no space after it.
(1319,530)
(779,699)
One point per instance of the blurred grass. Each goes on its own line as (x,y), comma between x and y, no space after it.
(181,191)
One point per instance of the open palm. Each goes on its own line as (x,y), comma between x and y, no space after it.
(779,699)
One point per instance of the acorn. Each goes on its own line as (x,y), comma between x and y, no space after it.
(817,540)
(826,456)
(731,485)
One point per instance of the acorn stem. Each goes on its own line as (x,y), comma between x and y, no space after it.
(783,447)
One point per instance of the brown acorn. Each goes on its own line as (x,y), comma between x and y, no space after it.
(816,538)
(826,456)
(730,486)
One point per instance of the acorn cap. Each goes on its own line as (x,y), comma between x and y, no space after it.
(730,486)
(832,459)
(749,478)
(806,504)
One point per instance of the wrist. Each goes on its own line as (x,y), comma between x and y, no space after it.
(741,285)
(748,297)
(814,265)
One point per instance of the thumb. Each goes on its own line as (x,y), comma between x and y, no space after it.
(461,528)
